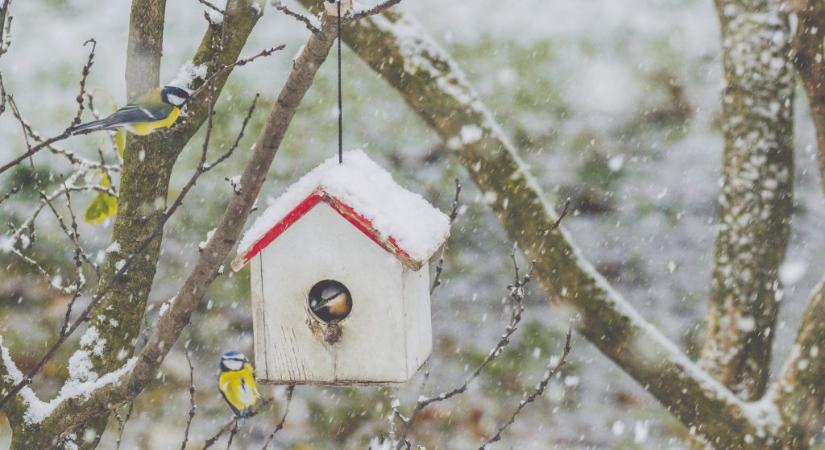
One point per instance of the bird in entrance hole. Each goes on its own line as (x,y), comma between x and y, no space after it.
(157,109)
(330,301)
(237,383)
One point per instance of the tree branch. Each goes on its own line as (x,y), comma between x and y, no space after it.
(211,259)
(435,87)
(756,199)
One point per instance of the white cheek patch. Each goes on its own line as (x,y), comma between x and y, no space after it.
(175,100)
(233,364)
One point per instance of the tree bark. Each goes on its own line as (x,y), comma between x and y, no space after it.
(756,200)
(809,59)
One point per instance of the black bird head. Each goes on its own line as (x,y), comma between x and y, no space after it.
(175,96)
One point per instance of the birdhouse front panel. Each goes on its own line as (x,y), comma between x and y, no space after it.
(371,346)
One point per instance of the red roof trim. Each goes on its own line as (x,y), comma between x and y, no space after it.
(347,212)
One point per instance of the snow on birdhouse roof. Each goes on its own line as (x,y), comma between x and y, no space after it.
(365,194)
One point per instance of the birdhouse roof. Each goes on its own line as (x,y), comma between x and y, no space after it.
(400,221)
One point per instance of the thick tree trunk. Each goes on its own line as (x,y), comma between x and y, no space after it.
(756,197)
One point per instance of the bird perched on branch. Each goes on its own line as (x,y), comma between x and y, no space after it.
(237,383)
(159,108)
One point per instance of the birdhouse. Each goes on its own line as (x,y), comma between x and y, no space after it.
(340,277)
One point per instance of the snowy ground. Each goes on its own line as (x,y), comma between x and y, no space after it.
(614,103)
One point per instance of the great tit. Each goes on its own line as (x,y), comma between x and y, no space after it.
(237,383)
(330,300)
(159,108)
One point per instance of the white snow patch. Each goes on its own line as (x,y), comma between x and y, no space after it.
(165,306)
(39,410)
(792,271)
(618,428)
(13,374)
(615,163)
(189,73)
(215,17)
(80,363)
(202,245)
(380,444)
(417,226)
(470,134)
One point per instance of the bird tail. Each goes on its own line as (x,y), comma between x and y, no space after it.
(96,125)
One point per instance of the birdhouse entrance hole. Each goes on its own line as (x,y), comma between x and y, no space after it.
(329,301)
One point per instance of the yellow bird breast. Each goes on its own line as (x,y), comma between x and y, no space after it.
(144,128)
(239,389)
(339,305)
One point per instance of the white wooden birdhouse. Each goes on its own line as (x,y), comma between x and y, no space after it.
(340,277)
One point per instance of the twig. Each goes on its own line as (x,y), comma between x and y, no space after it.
(516,294)
(75,121)
(289,390)
(192,405)
(211,6)
(229,426)
(280,6)
(9,194)
(241,62)
(84,74)
(377,9)
(439,268)
(552,370)
(516,297)
(232,435)
(122,424)
(202,169)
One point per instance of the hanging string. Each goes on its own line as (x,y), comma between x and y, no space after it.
(340,95)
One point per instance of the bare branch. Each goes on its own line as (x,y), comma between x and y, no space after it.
(280,6)
(388,44)
(289,391)
(241,62)
(231,425)
(68,131)
(516,294)
(439,267)
(201,169)
(377,9)
(211,259)
(211,6)
(552,369)
(192,405)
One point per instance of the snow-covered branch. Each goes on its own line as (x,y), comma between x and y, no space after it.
(435,87)
(211,259)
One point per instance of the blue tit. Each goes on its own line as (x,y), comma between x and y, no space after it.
(330,300)
(237,383)
(159,108)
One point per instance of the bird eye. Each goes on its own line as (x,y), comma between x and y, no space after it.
(330,300)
